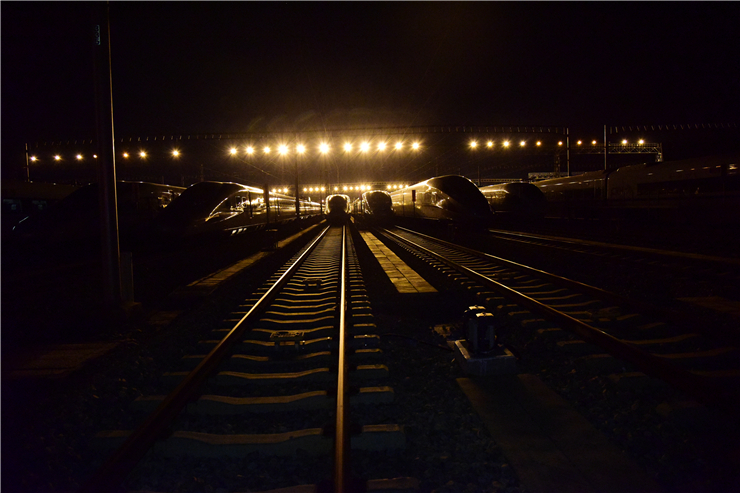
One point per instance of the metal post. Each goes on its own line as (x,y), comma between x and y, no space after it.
(297,203)
(28,168)
(567,149)
(605,148)
(106,153)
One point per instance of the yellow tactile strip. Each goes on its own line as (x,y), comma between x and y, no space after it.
(401,275)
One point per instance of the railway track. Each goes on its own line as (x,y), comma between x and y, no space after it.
(705,278)
(643,338)
(286,386)
(721,270)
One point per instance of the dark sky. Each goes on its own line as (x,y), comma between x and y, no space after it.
(180,68)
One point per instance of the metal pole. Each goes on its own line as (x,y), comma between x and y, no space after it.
(106,153)
(567,149)
(605,148)
(28,168)
(297,203)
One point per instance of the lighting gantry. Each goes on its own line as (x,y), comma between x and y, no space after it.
(379,146)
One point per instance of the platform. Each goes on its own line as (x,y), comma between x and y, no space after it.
(403,277)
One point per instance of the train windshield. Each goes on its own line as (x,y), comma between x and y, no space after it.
(525,191)
(463,190)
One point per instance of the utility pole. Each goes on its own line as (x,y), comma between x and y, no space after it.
(297,202)
(605,148)
(567,149)
(111,254)
(28,168)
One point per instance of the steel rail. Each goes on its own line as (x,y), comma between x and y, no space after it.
(341,438)
(655,251)
(681,319)
(697,386)
(601,293)
(125,458)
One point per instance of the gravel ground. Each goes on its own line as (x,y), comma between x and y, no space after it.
(49,446)
(448,448)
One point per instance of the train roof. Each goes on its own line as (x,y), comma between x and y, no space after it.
(373,192)
(330,197)
(203,197)
(507,185)
(33,190)
(588,176)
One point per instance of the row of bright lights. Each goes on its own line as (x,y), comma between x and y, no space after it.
(345,188)
(57,157)
(325,148)
(474,143)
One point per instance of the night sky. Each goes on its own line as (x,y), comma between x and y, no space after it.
(217,67)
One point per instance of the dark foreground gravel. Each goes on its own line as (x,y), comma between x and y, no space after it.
(49,426)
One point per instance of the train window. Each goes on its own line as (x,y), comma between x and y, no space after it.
(236,203)
(39,205)
(12,205)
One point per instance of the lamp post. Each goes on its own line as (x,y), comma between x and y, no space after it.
(324,150)
(106,149)
(473,147)
(299,150)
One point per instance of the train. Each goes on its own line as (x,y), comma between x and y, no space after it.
(374,207)
(700,190)
(338,208)
(74,221)
(451,199)
(227,209)
(515,201)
